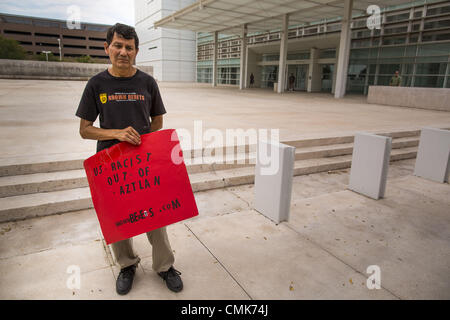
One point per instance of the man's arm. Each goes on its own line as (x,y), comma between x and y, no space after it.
(157,123)
(88,131)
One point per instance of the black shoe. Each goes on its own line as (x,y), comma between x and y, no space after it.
(125,280)
(172,278)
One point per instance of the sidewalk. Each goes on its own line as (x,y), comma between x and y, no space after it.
(232,252)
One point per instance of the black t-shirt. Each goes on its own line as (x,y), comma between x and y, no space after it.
(121,102)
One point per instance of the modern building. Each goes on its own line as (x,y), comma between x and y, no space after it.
(172,53)
(332,46)
(36,35)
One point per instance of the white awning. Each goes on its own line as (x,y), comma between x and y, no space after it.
(228,16)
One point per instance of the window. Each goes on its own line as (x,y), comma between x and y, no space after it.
(394,30)
(388,52)
(411,51)
(74,46)
(417,13)
(228,75)
(360,43)
(269,76)
(204,75)
(16,20)
(441,36)
(326,54)
(359,53)
(270,57)
(436,24)
(397,17)
(389,68)
(394,40)
(361,34)
(47,44)
(413,38)
(97,39)
(73,37)
(431,68)
(97,28)
(429,81)
(48,24)
(17,32)
(48,35)
(434,49)
(298,56)
(438,10)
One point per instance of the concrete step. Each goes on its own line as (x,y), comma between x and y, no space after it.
(346,148)
(55,202)
(38,164)
(44,204)
(42,182)
(69,179)
(72,161)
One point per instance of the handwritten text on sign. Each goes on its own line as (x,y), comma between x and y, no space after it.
(136,189)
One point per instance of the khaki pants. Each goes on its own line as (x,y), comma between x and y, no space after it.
(162,254)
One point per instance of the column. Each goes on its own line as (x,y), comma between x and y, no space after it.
(283,54)
(344,50)
(214,70)
(243,70)
(314,79)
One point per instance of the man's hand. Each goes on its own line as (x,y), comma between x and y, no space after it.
(88,131)
(129,135)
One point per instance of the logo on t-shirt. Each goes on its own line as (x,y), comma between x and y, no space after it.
(103,98)
(126,96)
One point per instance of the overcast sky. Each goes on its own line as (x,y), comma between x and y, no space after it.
(94,11)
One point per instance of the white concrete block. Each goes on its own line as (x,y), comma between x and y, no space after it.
(273,180)
(370,162)
(433,156)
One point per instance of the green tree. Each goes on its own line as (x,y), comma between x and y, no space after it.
(11,49)
(85,59)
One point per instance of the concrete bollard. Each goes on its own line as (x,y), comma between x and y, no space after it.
(433,155)
(273,181)
(370,162)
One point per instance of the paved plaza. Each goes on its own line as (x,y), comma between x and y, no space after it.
(230,251)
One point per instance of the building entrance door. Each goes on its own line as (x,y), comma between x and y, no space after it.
(300,72)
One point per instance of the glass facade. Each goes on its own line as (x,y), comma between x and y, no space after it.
(414,40)
(227,72)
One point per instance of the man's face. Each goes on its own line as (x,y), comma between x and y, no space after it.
(396,73)
(122,52)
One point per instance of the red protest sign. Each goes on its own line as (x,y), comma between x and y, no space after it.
(136,189)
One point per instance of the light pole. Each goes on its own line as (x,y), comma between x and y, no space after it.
(59,43)
(46,54)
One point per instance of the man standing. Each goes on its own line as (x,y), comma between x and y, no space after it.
(291,82)
(396,80)
(109,95)
(252,80)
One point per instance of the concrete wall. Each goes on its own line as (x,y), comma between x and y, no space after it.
(423,98)
(172,53)
(23,69)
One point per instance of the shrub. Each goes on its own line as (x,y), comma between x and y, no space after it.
(11,49)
